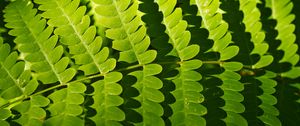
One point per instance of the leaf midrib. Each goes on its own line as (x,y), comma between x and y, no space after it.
(136,55)
(79,36)
(127,34)
(11,76)
(40,46)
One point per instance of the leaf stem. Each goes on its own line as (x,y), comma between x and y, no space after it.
(212,62)
(48,89)
(21,98)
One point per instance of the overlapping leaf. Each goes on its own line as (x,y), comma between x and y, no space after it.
(73,26)
(15,84)
(15,80)
(218,31)
(187,108)
(254,27)
(64,67)
(31,111)
(126,29)
(268,100)
(106,100)
(281,12)
(65,107)
(38,48)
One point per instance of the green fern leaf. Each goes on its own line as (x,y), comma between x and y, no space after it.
(5,113)
(31,111)
(73,27)
(36,44)
(149,62)
(253,25)
(149,96)
(218,31)
(106,100)
(268,100)
(281,12)
(66,105)
(13,75)
(187,109)
(232,66)
(232,87)
(15,84)
(212,21)
(125,28)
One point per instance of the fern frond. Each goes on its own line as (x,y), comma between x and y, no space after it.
(106,100)
(14,79)
(149,62)
(232,87)
(254,27)
(187,106)
(5,113)
(218,29)
(126,29)
(268,100)
(16,83)
(9,80)
(148,86)
(281,12)
(31,111)
(212,20)
(73,26)
(66,107)
(38,48)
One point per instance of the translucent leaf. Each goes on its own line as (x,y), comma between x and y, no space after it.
(191,64)
(269,109)
(4,114)
(232,95)
(270,120)
(152,82)
(65,121)
(39,36)
(189,52)
(232,84)
(39,101)
(106,99)
(229,75)
(268,99)
(4,123)
(229,52)
(153,95)
(233,106)
(233,66)
(264,61)
(147,57)
(73,27)
(293,73)
(152,69)
(235,119)
(128,56)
